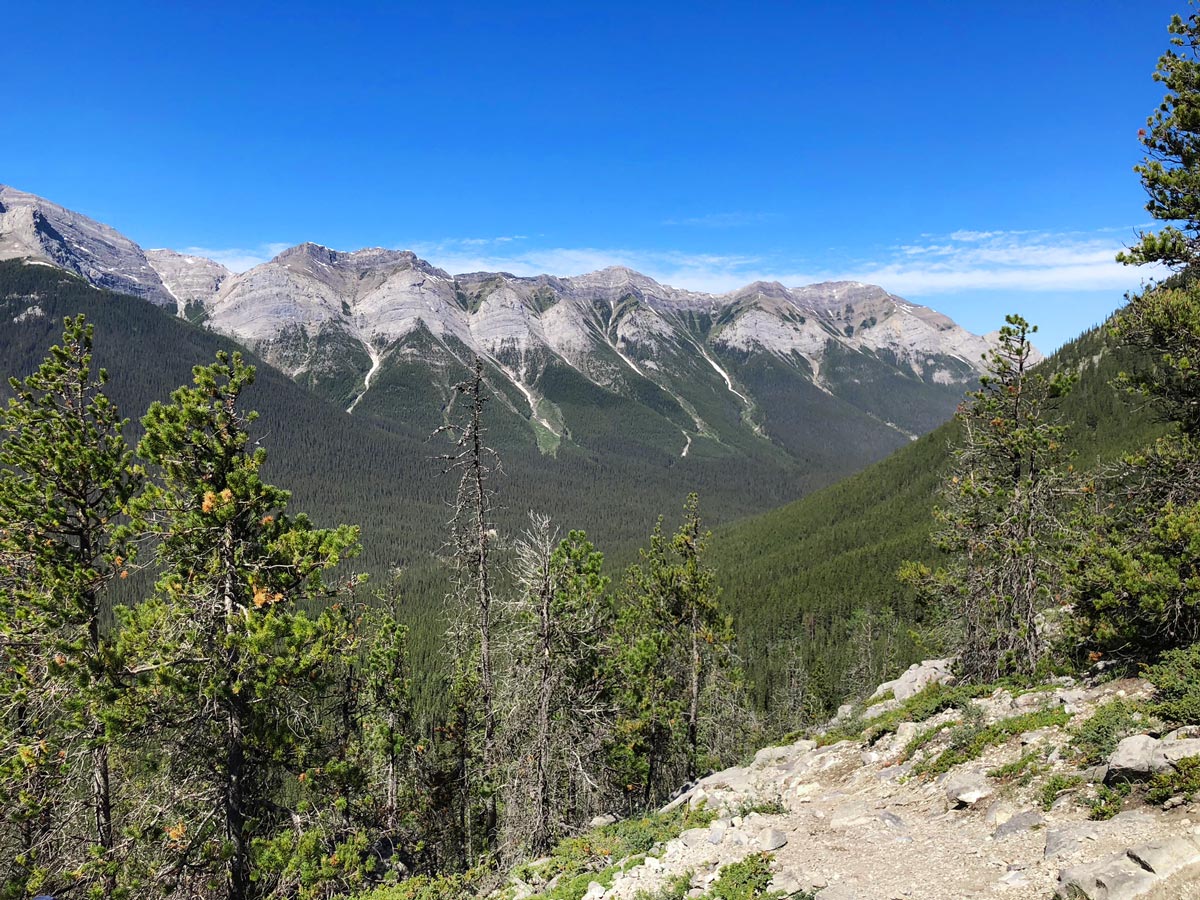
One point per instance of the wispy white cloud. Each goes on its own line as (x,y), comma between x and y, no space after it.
(699,271)
(485,242)
(962,261)
(1005,261)
(239,259)
(723,219)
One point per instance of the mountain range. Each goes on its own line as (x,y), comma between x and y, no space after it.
(610,361)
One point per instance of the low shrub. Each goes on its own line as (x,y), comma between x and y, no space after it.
(1184,781)
(1056,786)
(1108,800)
(922,706)
(1020,771)
(430,887)
(598,854)
(675,889)
(772,807)
(1093,740)
(1176,680)
(745,880)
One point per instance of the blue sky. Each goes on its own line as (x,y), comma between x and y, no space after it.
(973,157)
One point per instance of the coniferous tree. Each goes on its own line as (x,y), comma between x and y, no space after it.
(235,671)
(556,702)
(1001,515)
(1134,578)
(386,686)
(670,640)
(65,478)
(1170,171)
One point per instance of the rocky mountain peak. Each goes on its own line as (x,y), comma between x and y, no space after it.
(191,280)
(763,289)
(617,279)
(338,316)
(34,228)
(368,259)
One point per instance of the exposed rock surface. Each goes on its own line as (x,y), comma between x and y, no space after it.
(916,678)
(191,280)
(338,318)
(845,821)
(36,229)
(1142,756)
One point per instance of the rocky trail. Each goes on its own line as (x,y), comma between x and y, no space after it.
(855,819)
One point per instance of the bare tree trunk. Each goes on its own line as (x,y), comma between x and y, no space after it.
(234,801)
(484,599)
(542,829)
(693,720)
(393,786)
(101,780)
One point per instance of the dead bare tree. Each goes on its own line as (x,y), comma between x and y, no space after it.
(556,709)
(472,616)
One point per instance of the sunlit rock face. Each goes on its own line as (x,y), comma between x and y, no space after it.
(714,365)
(36,229)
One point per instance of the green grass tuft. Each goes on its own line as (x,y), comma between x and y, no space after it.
(745,880)
(1094,739)
(1056,786)
(1020,771)
(969,741)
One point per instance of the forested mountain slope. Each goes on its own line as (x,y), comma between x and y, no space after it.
(382,474)
(792,386)
(818,577)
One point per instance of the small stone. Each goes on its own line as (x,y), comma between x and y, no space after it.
(769,756)
(601,821)
(771,839)
(999,813)
(1032,700)
(1014,879)
(595,891)
(1062,840)
(967,788)
(1136,756)
(1072,700)
(1021,822)
(785,883)
(1096,774)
